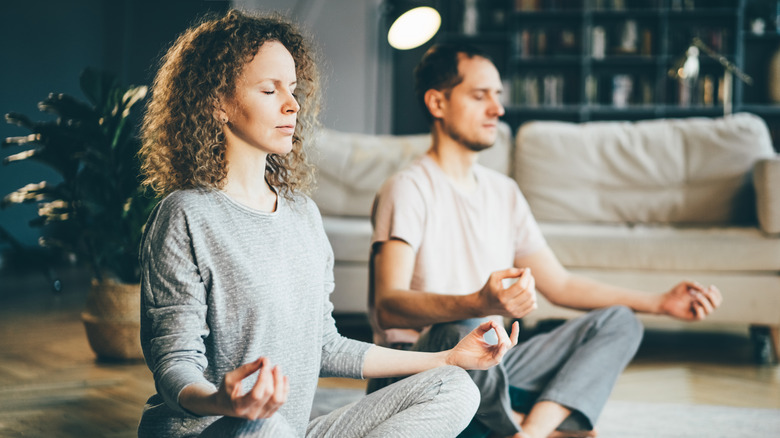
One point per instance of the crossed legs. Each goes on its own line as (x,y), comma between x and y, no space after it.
(436,403)
(570,372)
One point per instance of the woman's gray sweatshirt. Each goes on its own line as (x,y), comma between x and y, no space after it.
(222,285)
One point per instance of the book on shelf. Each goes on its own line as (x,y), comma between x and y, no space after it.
(548,5)
(532,91)
(705,91)
(530,42)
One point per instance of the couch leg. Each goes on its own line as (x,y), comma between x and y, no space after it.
(766,343)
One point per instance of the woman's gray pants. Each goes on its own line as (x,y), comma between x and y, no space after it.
(575,365)
(436,403)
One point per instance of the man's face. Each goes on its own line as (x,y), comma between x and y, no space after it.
(470,114)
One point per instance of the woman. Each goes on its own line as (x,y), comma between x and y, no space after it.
(236,320)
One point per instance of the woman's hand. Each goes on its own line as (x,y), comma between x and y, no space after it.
(265,398)
(474,353)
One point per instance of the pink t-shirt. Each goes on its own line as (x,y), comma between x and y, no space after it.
(459,239)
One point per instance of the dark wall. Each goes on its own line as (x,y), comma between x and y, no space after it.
(46,45)
(408,116)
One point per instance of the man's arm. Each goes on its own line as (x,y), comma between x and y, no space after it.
(686,300)
(471,353)
(399,307)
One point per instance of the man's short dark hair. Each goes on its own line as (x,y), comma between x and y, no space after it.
(438,69)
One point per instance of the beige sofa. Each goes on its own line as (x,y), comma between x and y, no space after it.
(642,204)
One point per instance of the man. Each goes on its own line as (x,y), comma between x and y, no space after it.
(450,235)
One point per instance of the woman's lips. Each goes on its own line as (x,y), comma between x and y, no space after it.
(287,129)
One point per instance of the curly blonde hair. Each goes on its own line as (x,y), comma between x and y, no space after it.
(183,144)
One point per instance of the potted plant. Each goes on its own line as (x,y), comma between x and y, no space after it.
(98,210)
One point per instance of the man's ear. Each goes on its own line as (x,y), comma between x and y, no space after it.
(436,102)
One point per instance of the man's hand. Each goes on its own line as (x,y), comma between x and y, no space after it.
(265,398)
(473,353)
(690,301)
(515,301)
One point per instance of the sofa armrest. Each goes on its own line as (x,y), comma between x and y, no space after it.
(766,179)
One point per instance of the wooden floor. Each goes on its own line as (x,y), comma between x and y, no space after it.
(51,384)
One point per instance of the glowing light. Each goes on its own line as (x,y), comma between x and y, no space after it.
(414,28)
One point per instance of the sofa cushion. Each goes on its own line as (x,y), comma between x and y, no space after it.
(350,237)
(694,170)
(766,178)
(352,167)
(663,248)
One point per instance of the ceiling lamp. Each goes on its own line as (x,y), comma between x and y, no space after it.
(414,28)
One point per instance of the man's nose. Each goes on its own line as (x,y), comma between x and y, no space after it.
(497,108)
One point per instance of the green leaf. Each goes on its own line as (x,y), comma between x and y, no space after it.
(18,120)
(97,86)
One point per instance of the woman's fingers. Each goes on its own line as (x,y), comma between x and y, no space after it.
(484,328)
(515,333)
(264,386)
(232,379)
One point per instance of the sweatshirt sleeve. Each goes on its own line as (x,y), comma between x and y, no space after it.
(173,319)
(341,356)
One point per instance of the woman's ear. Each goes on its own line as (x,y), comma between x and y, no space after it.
(219,113)
(435,101)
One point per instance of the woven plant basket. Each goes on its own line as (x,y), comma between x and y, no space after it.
(112,319)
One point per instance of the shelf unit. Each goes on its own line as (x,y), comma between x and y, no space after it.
(584,60)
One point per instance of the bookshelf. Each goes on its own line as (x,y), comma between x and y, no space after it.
(583,60)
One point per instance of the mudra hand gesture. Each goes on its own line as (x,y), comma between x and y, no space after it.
(690,301)
(474,353)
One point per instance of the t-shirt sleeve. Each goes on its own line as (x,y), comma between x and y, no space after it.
(529,237)
(398,212)
(173,305)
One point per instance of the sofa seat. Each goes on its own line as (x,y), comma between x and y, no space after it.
(350,238)
(662,247)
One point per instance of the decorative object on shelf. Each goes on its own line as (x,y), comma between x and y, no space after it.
(629,37)
(598,47)
(414,28)
(730,70)
(687,76)
(470,18)
(622,89)
(98,210)
(757,26)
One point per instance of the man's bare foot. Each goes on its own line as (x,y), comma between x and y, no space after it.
(519,417)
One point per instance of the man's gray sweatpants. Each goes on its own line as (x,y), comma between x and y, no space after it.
(575,365)
(435,403)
